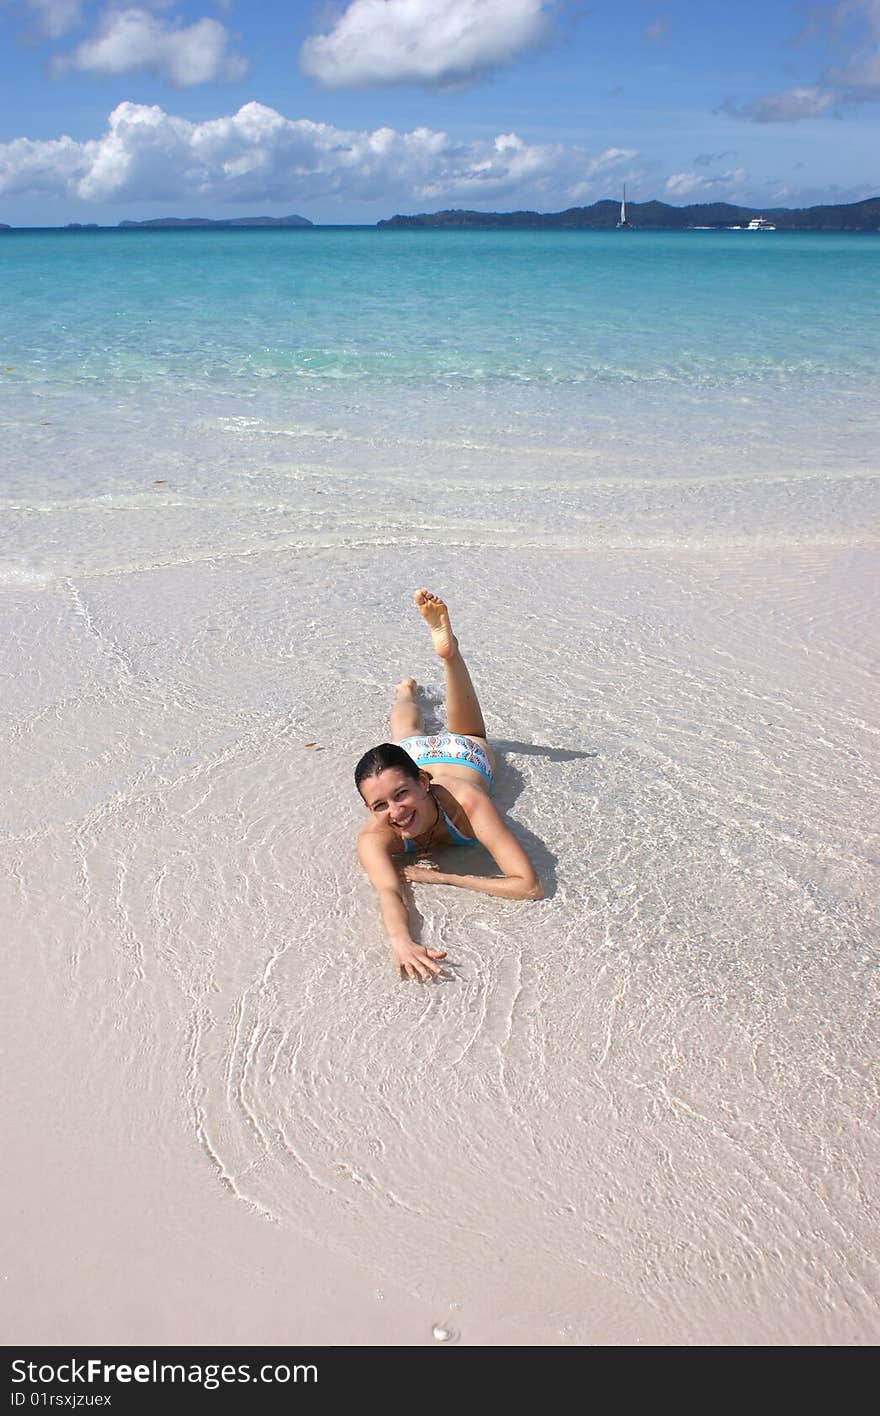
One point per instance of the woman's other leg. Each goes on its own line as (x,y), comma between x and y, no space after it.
(406,715)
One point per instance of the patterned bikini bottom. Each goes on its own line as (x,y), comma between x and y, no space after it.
(452,748)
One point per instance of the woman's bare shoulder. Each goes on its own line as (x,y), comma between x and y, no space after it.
(378,837)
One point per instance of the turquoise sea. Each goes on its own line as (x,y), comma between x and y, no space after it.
(472,355)
(224,311)
(643,469)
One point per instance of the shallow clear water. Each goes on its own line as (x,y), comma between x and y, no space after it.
(271,365)
(644,470)
(714,308)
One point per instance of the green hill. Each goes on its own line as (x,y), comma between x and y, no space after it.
(655,216)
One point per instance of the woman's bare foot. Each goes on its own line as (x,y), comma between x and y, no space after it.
(436,616)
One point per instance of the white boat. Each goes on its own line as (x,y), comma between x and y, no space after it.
(760,223)
(623,221)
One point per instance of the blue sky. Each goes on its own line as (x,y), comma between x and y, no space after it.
(352,111)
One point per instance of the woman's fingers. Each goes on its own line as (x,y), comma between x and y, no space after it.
(423,968)
(418,873)
(415,971)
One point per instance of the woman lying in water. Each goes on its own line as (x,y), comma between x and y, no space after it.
(411,808)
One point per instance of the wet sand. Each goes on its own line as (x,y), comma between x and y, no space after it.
(640,1111)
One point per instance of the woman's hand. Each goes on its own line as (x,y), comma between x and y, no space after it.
(423,874)
(415,962)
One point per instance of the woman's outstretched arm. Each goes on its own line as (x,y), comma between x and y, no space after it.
(517,881)
(374,851)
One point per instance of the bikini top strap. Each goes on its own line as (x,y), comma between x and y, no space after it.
(456,836)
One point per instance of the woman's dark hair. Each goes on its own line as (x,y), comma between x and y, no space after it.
(387,754)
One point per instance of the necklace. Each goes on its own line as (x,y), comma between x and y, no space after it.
(430,833)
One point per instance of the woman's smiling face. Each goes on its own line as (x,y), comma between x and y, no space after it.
(395,799)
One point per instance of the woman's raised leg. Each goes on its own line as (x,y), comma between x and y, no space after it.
(463,713)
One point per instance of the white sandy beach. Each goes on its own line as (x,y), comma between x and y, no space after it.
(642,1111)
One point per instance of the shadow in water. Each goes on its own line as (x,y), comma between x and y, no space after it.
(533,749)
(508,787)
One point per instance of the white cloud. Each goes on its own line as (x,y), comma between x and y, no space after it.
(794,103)
(54,18)
(708,159)
(29,168)
(258,155)
(133,39)
(694,184)
(611,157)
(862,72)
(866,12)
(854,26)
(429,42)
(606,163)
(833,194)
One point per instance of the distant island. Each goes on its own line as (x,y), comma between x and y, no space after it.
(173,223)
(861,216)
(654,216)
(166,221)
